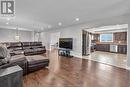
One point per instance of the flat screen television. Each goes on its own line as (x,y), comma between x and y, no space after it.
(66,43)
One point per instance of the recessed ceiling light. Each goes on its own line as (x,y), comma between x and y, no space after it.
(77,19)
(59,23)
(49,26)
(42,28)
(8,19)
(7,23)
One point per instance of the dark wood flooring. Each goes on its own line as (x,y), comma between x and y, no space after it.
(77,72)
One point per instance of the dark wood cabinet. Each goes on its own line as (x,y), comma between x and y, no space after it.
(122,36)
(119,39)
(122,49)
(106,48)
(116,36)
(103,47)
(96,37)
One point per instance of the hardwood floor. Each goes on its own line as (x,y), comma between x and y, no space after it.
(76,72)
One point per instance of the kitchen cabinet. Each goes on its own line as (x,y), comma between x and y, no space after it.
(96,37)
(122,36)
(122,49)
(107,48)
(103,47)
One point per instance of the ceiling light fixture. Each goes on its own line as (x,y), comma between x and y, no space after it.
(59,23)
(49,26)
(42,28)
(7,23)
(8,19)
(77,19)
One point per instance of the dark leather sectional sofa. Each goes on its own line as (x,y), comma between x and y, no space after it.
(26,48)
(26,55)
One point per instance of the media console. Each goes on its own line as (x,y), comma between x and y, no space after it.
(64,52)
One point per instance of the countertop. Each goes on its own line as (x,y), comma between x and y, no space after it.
(111,43)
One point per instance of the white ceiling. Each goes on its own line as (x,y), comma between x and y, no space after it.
(109,29)
(46,14)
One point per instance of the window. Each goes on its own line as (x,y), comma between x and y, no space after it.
(106,37)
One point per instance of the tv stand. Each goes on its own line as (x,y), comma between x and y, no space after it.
(64,52)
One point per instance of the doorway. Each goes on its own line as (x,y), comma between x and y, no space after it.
(106,44)
(54,42)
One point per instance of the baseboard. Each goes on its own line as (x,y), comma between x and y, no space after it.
(78,56)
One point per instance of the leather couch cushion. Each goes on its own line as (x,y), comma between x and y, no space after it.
(18,52)
(35,59)
(39,49)
(17,58)
(17,48)
(26,47)
(28,50)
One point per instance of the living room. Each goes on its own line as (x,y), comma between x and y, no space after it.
(41,43)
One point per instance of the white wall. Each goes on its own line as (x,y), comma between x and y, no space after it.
(71,32)
(8,35)
(45,38)
(55,38)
